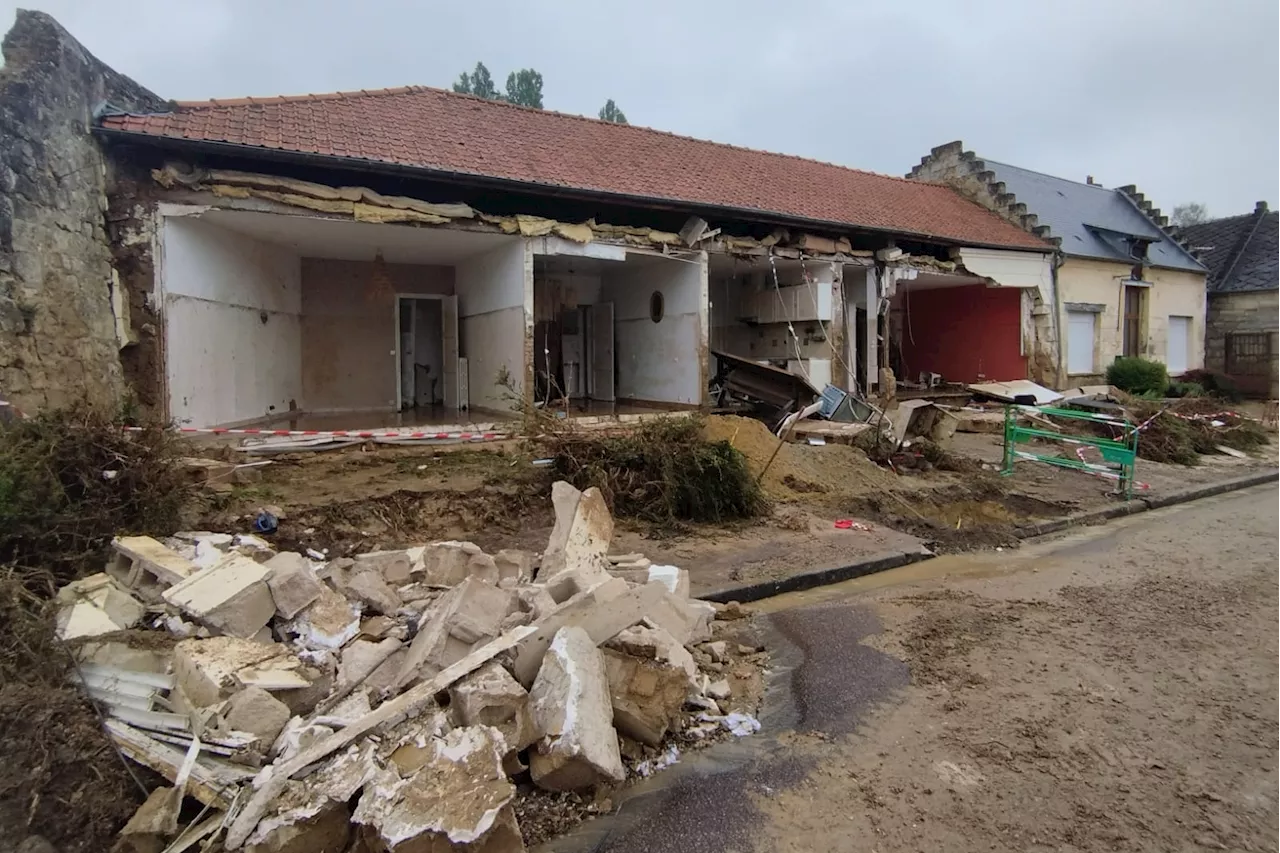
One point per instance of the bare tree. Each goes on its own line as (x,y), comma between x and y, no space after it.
(1191,213)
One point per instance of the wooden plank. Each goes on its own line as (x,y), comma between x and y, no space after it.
(405,706)
(163,562)
(152,719)
(214,783)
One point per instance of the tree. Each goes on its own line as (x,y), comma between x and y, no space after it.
(1191,213)
(478,83)
(524,87)
(610,112)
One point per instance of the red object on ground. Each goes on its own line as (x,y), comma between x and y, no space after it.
(850,524)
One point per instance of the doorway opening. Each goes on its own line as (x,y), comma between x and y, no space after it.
(431,376)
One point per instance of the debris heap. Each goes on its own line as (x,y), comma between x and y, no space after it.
(397,697)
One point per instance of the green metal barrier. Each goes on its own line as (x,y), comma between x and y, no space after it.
(1119,455)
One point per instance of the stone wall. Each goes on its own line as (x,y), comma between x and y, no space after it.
(63,316)
(1245,313)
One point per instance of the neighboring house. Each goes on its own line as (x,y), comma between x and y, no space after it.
(1244,296)
(1126,286)
(336,259)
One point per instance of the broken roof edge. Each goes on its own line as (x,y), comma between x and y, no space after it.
(587,193)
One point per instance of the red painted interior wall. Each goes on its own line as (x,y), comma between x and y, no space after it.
(968,334)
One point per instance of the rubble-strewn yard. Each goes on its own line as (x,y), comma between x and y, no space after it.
(431,698)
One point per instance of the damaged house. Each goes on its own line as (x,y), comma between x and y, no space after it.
(1125,284)
(413,255)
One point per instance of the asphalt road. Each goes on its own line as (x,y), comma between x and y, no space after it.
(1113,689)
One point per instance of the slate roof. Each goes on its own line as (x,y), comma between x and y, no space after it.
(1241,252)
(1091,220)
(441,131)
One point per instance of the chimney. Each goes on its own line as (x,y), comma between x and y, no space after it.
(1089,180)
(1260,208)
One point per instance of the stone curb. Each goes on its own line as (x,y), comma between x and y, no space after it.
(820,577)
(893,560)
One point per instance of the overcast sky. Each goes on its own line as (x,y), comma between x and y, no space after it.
(1178,97)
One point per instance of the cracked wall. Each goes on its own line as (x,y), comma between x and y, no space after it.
(63,314)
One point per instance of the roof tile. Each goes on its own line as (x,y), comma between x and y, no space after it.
(439,130)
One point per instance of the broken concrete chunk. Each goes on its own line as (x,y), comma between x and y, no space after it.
(582,532)
(292,582)
(232,597)
(456,797)
(491,697)
(163,563)
(329,622)
(329,831)
(514,566)
(96,605)
(646,642)
(646,694)
(702,614)
(256,711)
(719,690)
(572,711)
(369,587)
(205,670)
(156,819)
(393,566)
(719,650)
(450,563)
(469,614)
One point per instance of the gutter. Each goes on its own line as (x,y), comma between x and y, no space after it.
(331,161)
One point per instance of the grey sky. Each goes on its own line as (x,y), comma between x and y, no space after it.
(1178,97)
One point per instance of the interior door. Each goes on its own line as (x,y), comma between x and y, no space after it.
(407,319)
(600,351)
(1179,345)
(449,348)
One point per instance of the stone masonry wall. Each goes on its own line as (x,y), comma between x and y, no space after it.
(60,339)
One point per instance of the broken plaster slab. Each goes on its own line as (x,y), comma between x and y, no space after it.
(96,605)
(231,597)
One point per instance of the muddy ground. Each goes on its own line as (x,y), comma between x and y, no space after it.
(1117,692)
(363,498)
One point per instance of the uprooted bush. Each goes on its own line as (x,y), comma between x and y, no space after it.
(1138,375)
(664,472)
(1183,433)
(1215,384)
(71,479)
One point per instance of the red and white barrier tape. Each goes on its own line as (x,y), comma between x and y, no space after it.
(315,433)
(1102,471)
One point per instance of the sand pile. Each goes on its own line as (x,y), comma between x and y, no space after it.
(800,470)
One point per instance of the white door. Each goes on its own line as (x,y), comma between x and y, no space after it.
(1178,356)
(1080,338)
(600,351)
(449,349)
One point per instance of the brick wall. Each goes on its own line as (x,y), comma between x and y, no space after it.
(60,300)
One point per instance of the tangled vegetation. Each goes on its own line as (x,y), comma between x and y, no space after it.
(664,472)
(71,479)
(1181,434)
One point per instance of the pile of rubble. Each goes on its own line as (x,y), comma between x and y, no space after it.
(393,700)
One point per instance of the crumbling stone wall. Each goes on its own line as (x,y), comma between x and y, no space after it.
(59,336)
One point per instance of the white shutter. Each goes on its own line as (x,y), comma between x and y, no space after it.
(1081,326)
(1179,345)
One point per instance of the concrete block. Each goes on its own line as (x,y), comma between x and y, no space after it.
(205,670)
(96,605)
(573,714)
(687,621)
(491,697)
(450,563)
(394,566)
(164,563)
(675,580)
(656,644)
(646,695)
(468,615)
(256,711)
(232,597)
(456,797)
(369,588)
(292,582)
(514,565)
(582,532)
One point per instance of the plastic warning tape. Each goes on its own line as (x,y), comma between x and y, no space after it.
(315,433)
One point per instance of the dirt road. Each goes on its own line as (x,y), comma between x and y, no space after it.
(1113,690)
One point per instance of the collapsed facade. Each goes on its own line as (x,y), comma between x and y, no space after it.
(363,258)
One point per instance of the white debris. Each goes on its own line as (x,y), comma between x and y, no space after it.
(662,762)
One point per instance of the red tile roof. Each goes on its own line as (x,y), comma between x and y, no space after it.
(434,129)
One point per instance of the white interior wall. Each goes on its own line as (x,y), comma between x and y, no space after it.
(495,319)
(749,293)
(232,309)
(663,361)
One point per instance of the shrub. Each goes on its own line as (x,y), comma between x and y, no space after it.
(1138,375)
(663,472)
(1215,384)
(71,479)
(1179,389)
